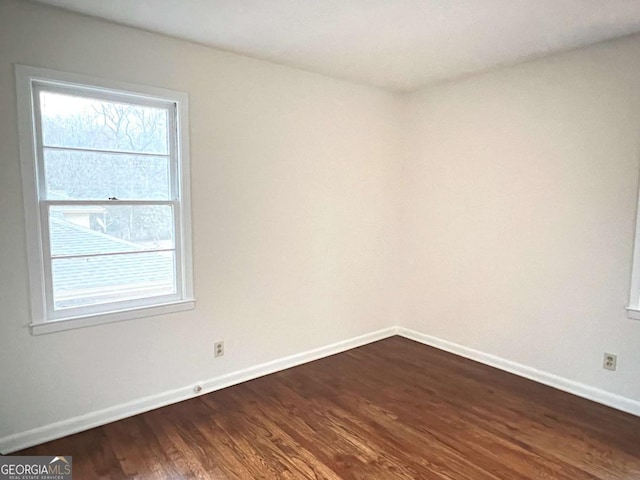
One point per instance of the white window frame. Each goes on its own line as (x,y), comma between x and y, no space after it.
(633,308)
(44,319)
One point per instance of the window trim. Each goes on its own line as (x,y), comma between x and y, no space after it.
(27,81)
(633,308)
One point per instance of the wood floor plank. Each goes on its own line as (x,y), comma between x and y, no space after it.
(394,409)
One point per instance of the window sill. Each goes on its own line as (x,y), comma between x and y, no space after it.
(633,313)
(118,316)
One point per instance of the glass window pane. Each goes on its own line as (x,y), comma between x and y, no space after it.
(98,176)
(105,279)
(92,229)
(81,122)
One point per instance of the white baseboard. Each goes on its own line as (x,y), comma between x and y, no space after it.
(36,436)
(77,424)
(576,388)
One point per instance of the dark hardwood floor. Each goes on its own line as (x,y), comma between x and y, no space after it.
(391,409)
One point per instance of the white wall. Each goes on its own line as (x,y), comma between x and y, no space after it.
(519,210)
(292,174)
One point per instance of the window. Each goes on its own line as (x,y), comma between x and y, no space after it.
(633,309)
(106,192)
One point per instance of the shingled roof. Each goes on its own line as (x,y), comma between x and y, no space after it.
(83,281)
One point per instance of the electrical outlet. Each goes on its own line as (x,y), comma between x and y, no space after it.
(609,362)
(218,349)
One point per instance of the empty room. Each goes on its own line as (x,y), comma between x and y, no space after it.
(296,239)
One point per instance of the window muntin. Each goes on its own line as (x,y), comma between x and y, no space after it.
(108,176)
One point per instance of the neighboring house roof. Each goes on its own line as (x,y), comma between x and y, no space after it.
(68,238)
(95,278)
